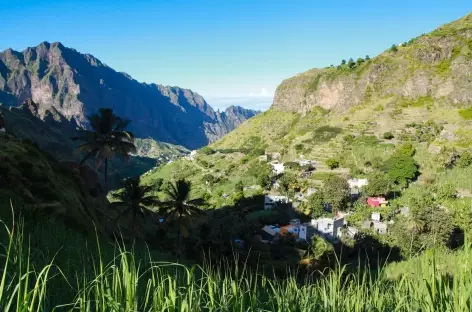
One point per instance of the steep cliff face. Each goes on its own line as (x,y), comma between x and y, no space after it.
(76,85)
(436,66)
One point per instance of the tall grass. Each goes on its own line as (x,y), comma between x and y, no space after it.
(132,281)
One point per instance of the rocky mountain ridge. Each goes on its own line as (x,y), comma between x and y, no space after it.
(433,67)
(77,85)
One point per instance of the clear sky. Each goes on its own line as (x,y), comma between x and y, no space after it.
(224,50)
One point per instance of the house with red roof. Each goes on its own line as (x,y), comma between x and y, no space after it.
(377,202)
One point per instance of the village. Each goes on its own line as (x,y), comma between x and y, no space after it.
(333,225)
(331,228)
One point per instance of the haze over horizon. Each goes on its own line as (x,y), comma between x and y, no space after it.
(231,53)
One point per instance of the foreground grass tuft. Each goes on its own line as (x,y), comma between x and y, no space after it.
(130,282)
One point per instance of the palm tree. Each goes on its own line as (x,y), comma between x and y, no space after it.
(179,207)
(135,199)
(107,138)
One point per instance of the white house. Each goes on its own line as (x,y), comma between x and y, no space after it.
(380,227)
(357,183)
(296,228)
(270,201)
(271,229)
(278,168)
(328,227)
(376,216)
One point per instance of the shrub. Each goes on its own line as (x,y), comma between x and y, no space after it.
(466,113)
(293,165)
(379,108)
(210,179)
(406,149)
(207,150)
(332,163)
(393,48)
(244,160)
(299,147)
(388,135)
(348,138)
(257,152)
(465,160)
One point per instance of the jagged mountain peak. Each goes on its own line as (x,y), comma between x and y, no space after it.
(76,85)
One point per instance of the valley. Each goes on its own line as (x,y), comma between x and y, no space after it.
(351,193)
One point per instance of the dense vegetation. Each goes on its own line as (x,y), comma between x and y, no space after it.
(76,274)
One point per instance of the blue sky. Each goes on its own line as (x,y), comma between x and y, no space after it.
(224,50)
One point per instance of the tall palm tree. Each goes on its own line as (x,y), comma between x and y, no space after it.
(107,138)
(179,207)
(134,199)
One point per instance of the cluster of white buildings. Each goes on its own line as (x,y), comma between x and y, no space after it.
(328,228)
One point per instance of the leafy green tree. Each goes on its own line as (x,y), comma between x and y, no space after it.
(351,63)
(179,207)
(316,204)
(332,163)
(262,172)
(394,48)
(107,138)
(343,62)
(401,169)
(134,199)
(359,61)
(367,58)
(336,192)
(379,184)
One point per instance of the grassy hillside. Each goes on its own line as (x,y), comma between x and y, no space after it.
(154,149)
(37,184)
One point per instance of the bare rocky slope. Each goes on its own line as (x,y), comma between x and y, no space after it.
(77,85)
(433,67)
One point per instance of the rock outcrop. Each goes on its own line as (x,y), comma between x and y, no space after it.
(433,67)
